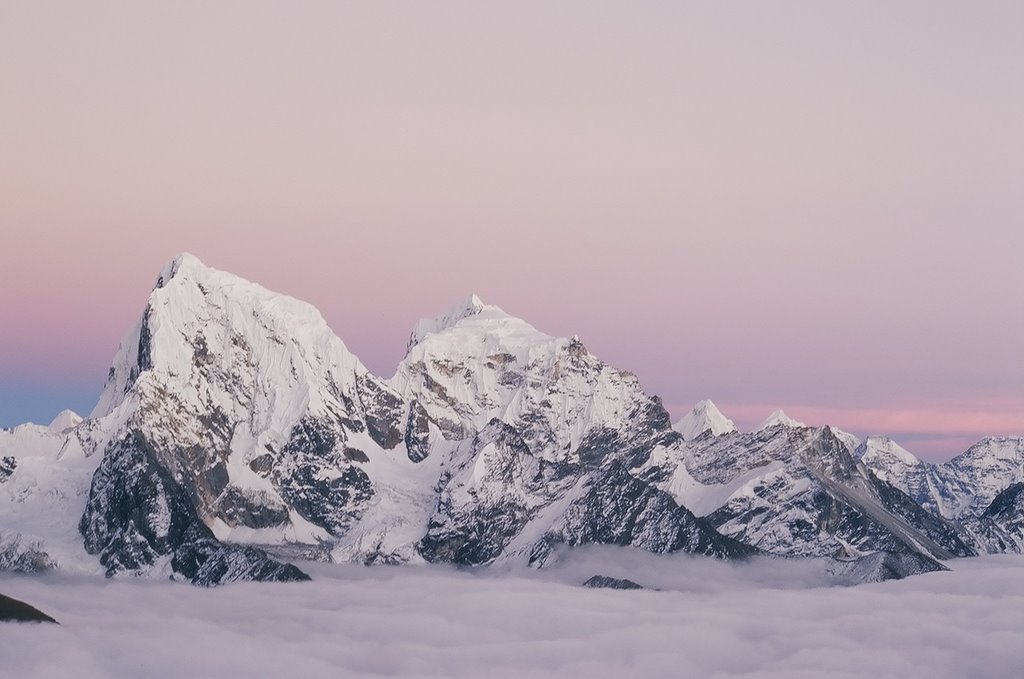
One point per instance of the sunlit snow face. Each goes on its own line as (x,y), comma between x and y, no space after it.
(710,619)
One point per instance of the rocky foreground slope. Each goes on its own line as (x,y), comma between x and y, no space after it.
(235,430)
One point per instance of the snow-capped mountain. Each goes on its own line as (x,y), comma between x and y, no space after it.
(798,491)
(65,420)
(778,418)
(705,417)
(44,479)
(1000,528)
(235,429)
(234,416)
(245,405)
(547,427)
(971,481)
(965,488)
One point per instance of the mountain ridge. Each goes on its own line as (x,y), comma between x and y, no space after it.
(235,425)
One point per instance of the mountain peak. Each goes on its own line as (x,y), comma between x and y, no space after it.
(467,308)
(705,416)
(884,449)
(198,318)
(66,419)
(183,262)
(779,417)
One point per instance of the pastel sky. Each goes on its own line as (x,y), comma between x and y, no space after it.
(814,206)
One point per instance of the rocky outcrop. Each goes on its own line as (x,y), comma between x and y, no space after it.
(138,517)
(882,566)
(798,491)
(1000,528)
(605,582)
(12,610)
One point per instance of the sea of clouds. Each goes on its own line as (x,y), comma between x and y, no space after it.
(768,618)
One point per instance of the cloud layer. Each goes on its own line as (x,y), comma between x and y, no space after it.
(710,620)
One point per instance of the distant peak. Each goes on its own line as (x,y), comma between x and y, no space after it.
(705,416)
(779,417)
(883,447)
(66,419)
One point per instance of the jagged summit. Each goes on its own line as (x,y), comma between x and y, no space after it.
(184,261)
(472,324)
(705,416)
(467,308)
(779,417)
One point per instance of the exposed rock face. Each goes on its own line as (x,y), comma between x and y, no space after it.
(798,491)
(550,433)
(138,515)
(605,582)
(881,566)
(619,509)
(960,488)
(976,488)
(19,555)
(12,610)
(8,463)
(1000,528)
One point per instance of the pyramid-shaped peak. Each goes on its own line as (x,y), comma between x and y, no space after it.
(183,263)
(65,419)
(779,417)
(706,406)
(197,313)
(704,417)
(884,448)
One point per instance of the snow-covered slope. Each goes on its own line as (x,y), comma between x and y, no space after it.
(1000,528)
(969,482)
(897,466)
(65,419)
(958,489)
(705,417)
(44,480)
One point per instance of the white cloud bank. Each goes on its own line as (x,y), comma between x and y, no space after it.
(711,620)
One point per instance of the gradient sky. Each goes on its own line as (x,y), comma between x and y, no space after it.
(818,206)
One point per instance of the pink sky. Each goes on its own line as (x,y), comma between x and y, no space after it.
(793,205)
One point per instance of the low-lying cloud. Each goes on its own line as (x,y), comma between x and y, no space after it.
(711,619)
